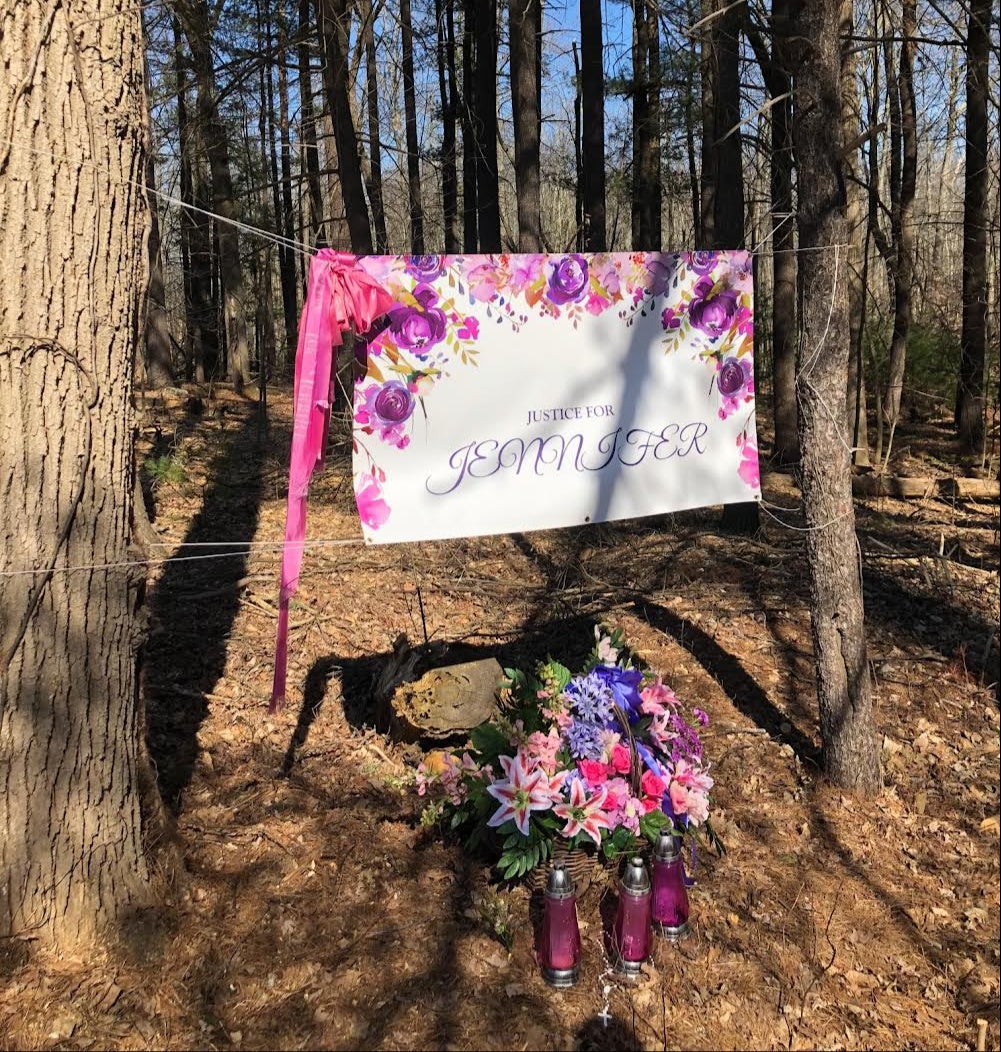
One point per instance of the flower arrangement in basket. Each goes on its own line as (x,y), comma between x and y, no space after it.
(602,760)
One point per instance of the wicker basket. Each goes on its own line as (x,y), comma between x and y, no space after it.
(584,868)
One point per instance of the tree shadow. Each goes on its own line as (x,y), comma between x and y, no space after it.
(193,607)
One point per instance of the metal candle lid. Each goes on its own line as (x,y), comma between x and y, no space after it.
(635,879)
(667,847)
(560,884)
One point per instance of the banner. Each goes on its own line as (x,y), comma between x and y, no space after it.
(523,392)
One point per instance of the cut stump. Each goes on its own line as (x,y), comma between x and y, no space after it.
(445,702)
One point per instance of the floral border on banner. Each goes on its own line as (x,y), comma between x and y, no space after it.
(430,330)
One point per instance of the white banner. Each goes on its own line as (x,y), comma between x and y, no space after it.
(524,392)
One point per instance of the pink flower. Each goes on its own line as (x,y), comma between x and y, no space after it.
(622,761)
(372,507)
(653,785)
(470,329)
(749,470)
(544,748)
(657,698)
(526,271)
(582,813)
(524,789)
(689,792)
(482,280)
(594,772)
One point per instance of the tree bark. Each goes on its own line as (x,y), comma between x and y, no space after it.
(194,16)
(970,395)
(157,356)
(485,127)
(856,429)
(592,125)
(72,268)
(308,123)
(903,107)
(775,70)
(375,129)
(470,194)
(287,254)
(413,145)
(524,105)
(640,128)
(447,90)
(844,692)
(333,18)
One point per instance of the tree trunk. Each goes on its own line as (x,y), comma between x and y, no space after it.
(775,70)
(333,22)
(413,145)
(906,163)
(653,203)
(722,166)
(448,94)
(593,125)
(485,127)
(524,105)
(157,357)
(374,129)
(640,128)
(470,194)
(847,726)
(72,270)
(856,430)
(287,255)
(308,123)
(970,396)
(194,16)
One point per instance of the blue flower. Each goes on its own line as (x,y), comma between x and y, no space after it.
(624,683)
(584,740)
(591,698)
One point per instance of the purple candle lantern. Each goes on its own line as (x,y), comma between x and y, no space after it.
(631,930)
(670,899)
(557,947)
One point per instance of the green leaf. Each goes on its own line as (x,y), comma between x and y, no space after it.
(489,740)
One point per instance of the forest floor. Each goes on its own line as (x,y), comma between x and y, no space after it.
(312,911)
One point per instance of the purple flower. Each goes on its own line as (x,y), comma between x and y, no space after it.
(702,262)
(624,683)
(418,329)
(584,740)
(393,403)
(712,314)
(567,279)
(733,376)
(590,697)
(701,716)
(661,269)
(425,268)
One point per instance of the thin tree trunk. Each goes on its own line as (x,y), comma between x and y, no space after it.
(333,19)
(157,357)
(856,430)
(73,271)
(308,123)
(640,126)
(906,163)
(413,145)
(524,104)
(374,130)
(201,332)
(470,191)
(651,161)
(844,692)
(485,125)
(448,93)
(287,257)
(578,197)
(592,125)
(194,17)
(970,397)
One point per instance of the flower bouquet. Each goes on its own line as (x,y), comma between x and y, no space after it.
(602,759)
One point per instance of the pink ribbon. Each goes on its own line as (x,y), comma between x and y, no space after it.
(339,295)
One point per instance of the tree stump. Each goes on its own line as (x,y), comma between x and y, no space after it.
(445,702)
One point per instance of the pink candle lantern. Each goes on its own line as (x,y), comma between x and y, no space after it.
(631,930)
(557,947)
(670,899)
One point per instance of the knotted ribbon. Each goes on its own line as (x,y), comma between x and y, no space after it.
(339,295)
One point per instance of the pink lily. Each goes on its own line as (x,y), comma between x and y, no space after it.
(525,789)
(582,813)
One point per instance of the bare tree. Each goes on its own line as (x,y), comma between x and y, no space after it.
(844,691)
(413,146)
(524,104)
(592,126)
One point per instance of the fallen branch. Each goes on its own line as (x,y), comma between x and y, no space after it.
(904,487)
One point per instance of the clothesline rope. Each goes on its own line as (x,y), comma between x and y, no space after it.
(301,247)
